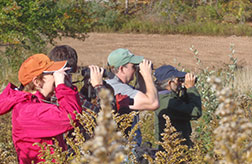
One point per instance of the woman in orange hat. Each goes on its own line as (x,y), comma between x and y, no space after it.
(34,119)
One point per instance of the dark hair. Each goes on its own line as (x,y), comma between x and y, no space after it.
(65,52)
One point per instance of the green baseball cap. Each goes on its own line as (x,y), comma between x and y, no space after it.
(123,56)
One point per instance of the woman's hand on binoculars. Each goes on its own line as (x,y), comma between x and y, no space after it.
(96,74)
(59,76)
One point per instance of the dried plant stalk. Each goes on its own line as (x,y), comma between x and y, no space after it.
(233,135)
(174,151)
(107,145)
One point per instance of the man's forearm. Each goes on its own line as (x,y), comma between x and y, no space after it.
(151,91)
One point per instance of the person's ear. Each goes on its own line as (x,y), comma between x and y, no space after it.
(121,69)
(37,82)
(168,86)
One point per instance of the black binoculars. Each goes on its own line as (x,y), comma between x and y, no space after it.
(182,79)
(85,72)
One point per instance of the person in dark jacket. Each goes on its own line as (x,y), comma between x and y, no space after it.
(66,52)
(181,109)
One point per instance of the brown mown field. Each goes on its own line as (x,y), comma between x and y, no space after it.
(163,49)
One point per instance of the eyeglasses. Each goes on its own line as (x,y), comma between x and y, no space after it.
(127,66)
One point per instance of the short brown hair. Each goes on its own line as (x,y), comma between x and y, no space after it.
(30,87)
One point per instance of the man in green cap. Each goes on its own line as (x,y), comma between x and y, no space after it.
(123,64)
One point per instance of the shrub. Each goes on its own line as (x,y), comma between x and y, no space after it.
(28,26)
(108,15)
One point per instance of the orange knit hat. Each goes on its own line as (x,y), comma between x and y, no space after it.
(36,65)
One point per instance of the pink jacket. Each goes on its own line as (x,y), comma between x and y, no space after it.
(36,121)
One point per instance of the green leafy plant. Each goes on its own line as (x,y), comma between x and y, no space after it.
(27,27)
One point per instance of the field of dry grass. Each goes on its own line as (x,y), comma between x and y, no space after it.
(163,49)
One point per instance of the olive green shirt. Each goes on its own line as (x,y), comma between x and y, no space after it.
(180,111)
